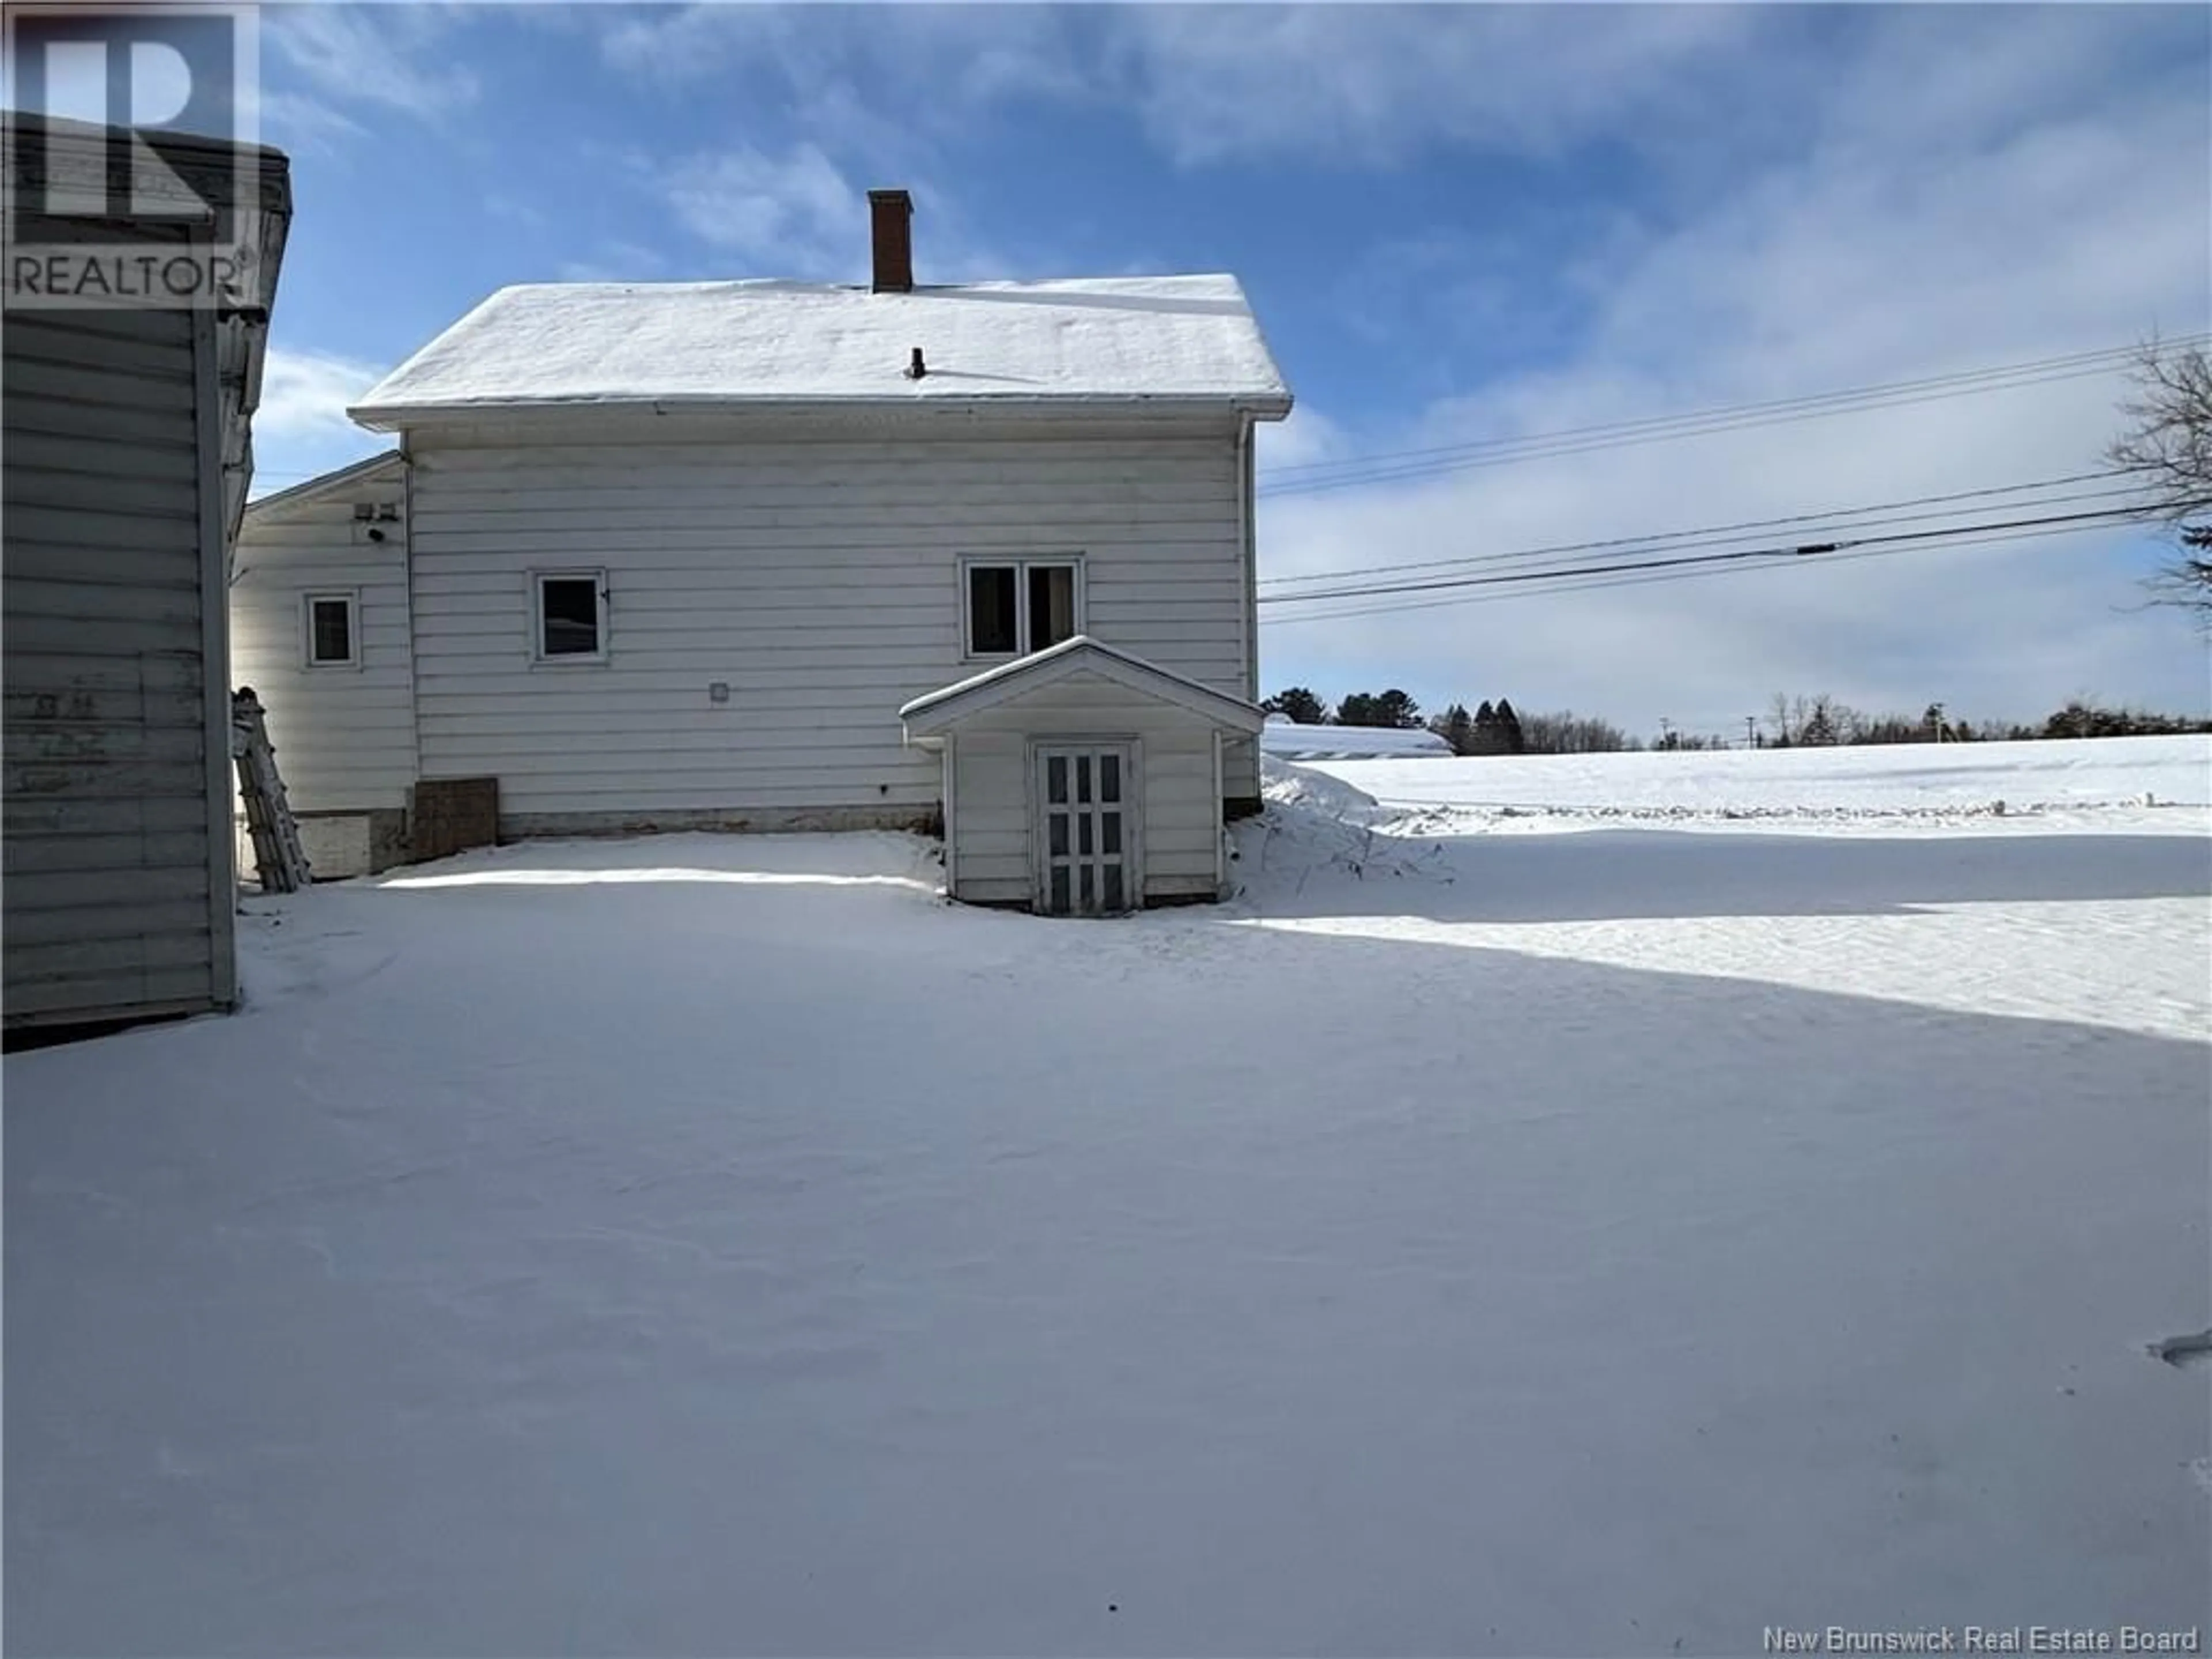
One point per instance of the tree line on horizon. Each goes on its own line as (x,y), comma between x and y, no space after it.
(1791,722)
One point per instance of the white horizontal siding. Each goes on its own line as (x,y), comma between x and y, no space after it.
(109,907)
(344,737)
(818,581)
(1181,819)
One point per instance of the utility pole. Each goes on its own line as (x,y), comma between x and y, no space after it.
(1666,736)
(1751,731)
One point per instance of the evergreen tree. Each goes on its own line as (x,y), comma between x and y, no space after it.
(1486,730)
(1509,728)
(1391,707)
(1300,704)
(1456,728)
(1394,708)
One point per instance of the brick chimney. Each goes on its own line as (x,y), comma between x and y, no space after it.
(890,218)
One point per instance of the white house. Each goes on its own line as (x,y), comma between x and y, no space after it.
(125,462)
(677,554)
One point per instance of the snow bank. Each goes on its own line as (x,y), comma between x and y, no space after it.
(1315,793)
(1286,740)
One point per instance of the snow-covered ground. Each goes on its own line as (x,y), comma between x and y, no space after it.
(1464,1242)
(1958,782)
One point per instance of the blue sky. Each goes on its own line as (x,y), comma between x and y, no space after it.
(1456,223)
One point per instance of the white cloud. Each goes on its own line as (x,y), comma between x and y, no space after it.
(299,126)
(387,56)
(880,93)
(1365,84)
(793,214)
(301,428)
(1923,232)
(1308,437)
(1208,83)
(304,394)
(945,60)
(798,213)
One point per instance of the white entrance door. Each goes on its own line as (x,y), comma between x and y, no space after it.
(1085,831)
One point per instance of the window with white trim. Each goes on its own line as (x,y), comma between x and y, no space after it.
(332,623)
(568,621)
(1015,606)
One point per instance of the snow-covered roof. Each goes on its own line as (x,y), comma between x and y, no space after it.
(932,712)
(1286,741)
(1101,340)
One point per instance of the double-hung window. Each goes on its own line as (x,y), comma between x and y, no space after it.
(1015,606)
(332,624)
(569,616)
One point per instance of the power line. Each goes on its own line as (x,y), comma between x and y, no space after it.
(1438,583)
(1388,466)
(1550,566)
(1513,451)
(1567,584)
(1723,531)
(1827,551)
(2086,360)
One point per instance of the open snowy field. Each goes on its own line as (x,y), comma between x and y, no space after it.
(1933,782)
(1466,1242)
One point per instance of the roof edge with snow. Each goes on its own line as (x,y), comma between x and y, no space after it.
(396,418)
(934,712)
(1186,343)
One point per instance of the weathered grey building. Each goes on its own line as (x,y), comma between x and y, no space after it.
(125,457)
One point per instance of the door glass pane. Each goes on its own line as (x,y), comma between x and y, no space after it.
(1057,904)
(1109,832)
(1083,779)
(1055,824)
(1109,883)
(991,600)
(569,607)
(1109,777)
(1055,779)
(1083,835)
(1083,887)
(1052,604)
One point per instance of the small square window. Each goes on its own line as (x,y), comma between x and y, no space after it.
(1023,606)
(332,636)
(571,617)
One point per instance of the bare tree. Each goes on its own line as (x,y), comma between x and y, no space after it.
(1568,733)
(2168,443)
(1785,728)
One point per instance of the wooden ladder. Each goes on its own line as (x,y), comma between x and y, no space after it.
(278,853)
